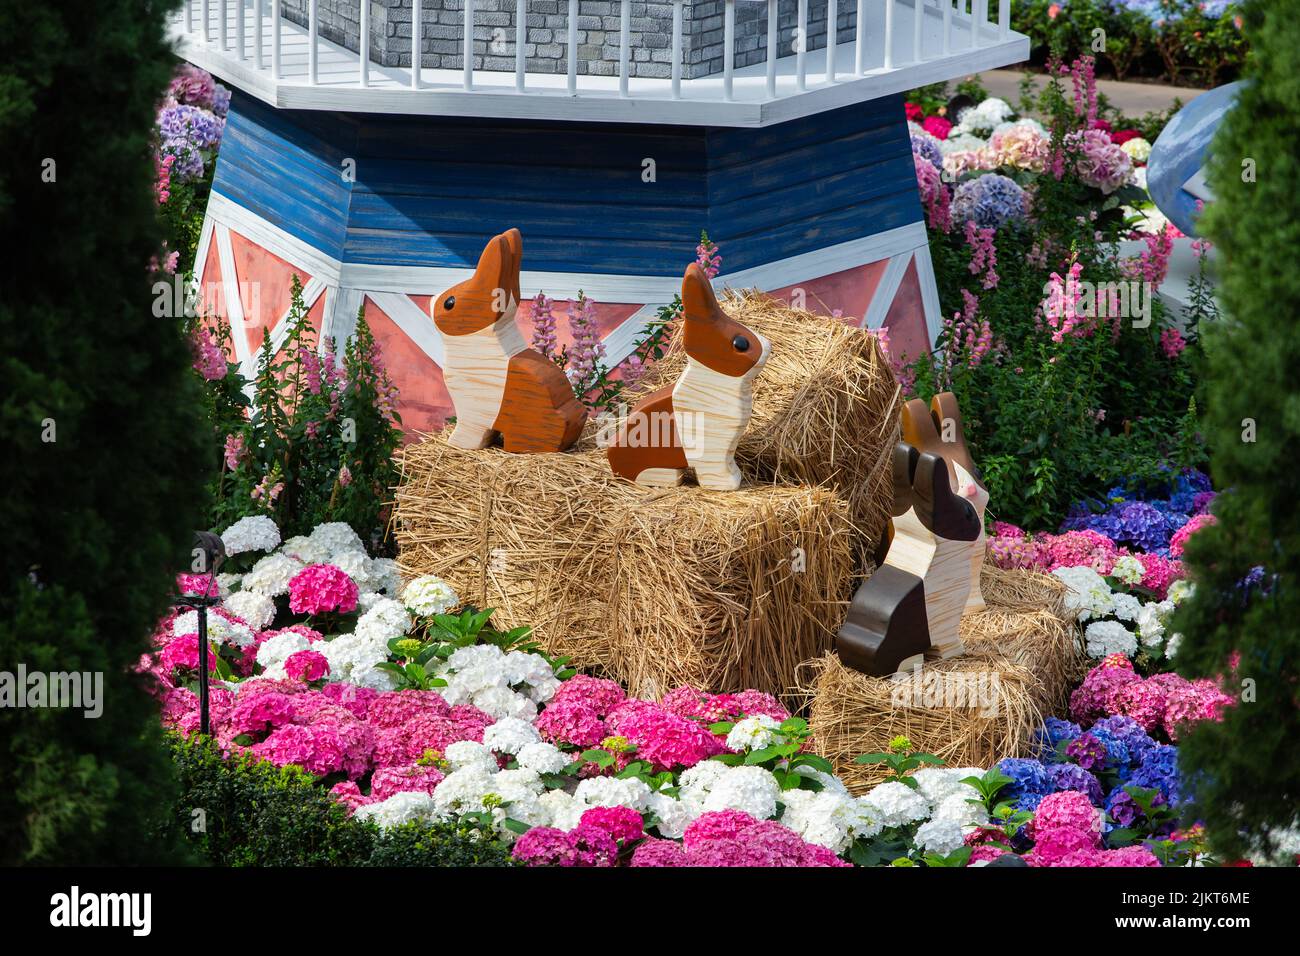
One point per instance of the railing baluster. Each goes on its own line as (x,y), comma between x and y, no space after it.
(573,47)
(773,34)
(624,44)
(978,17)
(677,48)
(275,39)
(1004,18)
(728,47)
(313,24)
(832,14)
(918,21)
(206,14)
(363,45)
(521,36)
(416,31)
(801,51)
(947,27)
(860,35)
(221,28)
(889,34)
(240,34)
(189,16)
(468,46)
(257,35)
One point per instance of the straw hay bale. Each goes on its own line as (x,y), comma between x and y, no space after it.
(1022,656)
(654,587)
(826,407)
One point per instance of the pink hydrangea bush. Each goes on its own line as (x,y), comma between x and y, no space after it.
(1161,704)
(321,588)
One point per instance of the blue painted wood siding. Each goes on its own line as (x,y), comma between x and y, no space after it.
(430,191)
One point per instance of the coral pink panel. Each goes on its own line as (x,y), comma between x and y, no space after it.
(908,336)
(264,287)
(423,400)
(609,316)
(849,291)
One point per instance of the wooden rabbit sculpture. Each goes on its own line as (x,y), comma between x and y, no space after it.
(697,422)
(914,601)
(497,384)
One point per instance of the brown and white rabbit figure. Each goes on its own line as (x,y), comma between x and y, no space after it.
(497,384)
(697,422)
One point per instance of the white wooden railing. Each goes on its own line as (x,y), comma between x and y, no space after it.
(251,38)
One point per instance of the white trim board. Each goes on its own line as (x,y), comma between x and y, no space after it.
(885,292)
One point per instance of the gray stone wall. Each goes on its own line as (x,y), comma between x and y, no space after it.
(547,33)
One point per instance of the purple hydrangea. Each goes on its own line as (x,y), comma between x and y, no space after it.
(1126,731)
(1122,808)
(991,200)
(188,132)
(1087,751)
(1143,526)
(928,147)
(1067,776)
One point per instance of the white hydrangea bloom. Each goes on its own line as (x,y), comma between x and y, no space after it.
(830,819)
(1151,622)
(384,621)
(1088,593)
(254,533)
(563,809)
(1180,591)
(752,789)
(754,733)
(336,538)
(829,781)
(542,757)
(305,550)
(520,667)
(1128,569)
(1172,645)
(501,702)
(227,582)
(428,595)
(543,690)
(368,599)
(276,650)
(385,576)
(896,804)
(673,816)
(1109,637)
(400,808)
(517,784)
(356,565)
(510,735)
(939,836)
(1026,122)
(961,143)
(351,655)
(958,808)
(462,790)
(1127,606)
(271,574)
(1138,149)
(938,783)
(465,754)
(982,119)
(613,792)
(373,677)
(255,608)
(219,629)
(697,781)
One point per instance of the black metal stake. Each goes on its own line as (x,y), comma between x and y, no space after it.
(204,726)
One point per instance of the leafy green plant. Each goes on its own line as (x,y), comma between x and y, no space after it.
(901,760)
(783,758)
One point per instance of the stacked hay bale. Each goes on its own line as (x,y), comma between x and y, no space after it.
(1022,657)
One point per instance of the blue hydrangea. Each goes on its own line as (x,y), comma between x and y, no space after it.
(1053,733)
(1143,526)
(1029,801)
(1028,776)
(1137,742)
(991,200)
(1068,776)
(1117,752)
(1159,771)
(928,147)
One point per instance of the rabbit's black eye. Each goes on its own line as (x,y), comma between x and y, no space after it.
(741,343)
(449,303)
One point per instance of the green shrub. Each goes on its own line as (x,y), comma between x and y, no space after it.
(1246,770)
(244,812)
(100,425)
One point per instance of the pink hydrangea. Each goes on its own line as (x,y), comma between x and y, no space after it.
(1065,846)
(622,823)
(1066,810)
(985,852)
(571,722)
(1129,856)
(1191,702)
(1098,161)
(256,713)
(1022,147)
(599,694)
(406,744)
(1160,573)
(393,709)
(306,666)
(349,794)
(659,853)
(1179,539)
(716,825)
(319,588)
(710,708)
(387,781)
(203,584)
(663,738)
(1098,695)
(1144,701)
(182,652)
(937,126)
(581,846)
(355,699)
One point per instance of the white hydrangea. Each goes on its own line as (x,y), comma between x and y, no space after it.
(464,754)
(896,804)
(384,621)
(373,677)
(305,550)
(752,789)
(1026,122)
(542,757)
(829,819)
(673,816)
(829,781)
(254,533)
(939,836)
(517,784)
(982,119)
(1109,637)
(276,650)
(1180,591)
(1128,569)
(485,676)
(563,809)
(463,790)
(1151,622)
(754,733)
(938,783)
(1172,645)
(510,735)
(1138,149)
(961,143)
(253,607)
(270,576)
(613,792)
(501,702)
(228,582)
(428,595)
(961,809)
(336,538)
(1088,593)
(696,782)
(350,656)
(356,565)
(219,629)
(1127,606)
(368,599)
(385,576)
(400,808)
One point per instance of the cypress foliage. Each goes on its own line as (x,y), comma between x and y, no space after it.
(1245,771)
(102,468)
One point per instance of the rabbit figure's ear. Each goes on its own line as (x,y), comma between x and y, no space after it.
(905,459)
(515,243)
(698,300)
(940,509)
(919,427)
(945,416)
